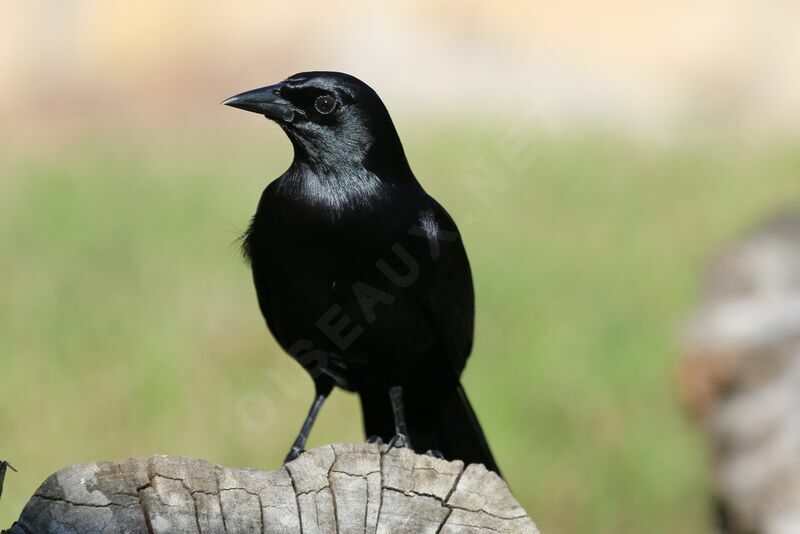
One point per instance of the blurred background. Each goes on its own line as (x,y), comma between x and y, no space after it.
(596,155)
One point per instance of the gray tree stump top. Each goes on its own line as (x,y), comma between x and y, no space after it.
(335,488)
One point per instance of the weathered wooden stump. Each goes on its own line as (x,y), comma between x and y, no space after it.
(740,378)
(335,488)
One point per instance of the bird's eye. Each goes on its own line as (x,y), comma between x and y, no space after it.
(325,104)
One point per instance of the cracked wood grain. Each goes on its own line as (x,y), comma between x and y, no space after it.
(343,488)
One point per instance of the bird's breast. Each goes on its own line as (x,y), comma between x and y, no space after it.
(322,280)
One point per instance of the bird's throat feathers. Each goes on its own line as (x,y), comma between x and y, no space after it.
(333,191)
(356,172)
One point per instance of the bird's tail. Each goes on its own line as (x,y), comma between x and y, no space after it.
(442,421)
(460,435)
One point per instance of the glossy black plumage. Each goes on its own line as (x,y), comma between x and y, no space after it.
(360,274)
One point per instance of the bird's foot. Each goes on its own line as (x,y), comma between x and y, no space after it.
(4,464)
(293,455)
(434,454)
(374,440)
(400,441)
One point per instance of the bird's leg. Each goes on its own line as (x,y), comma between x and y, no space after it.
(401,437)
(3,466)
(299,445)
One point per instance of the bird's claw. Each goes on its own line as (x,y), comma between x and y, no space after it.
(293,455)
(434,454)
(374,440)
(3,463)
(400,441)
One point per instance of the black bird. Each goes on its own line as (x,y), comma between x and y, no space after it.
(360,274)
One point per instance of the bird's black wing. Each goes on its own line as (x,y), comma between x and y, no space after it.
(445,284)
(439,414)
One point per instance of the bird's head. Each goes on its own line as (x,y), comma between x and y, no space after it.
(333,120)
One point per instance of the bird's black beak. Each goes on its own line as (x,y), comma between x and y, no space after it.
(266,101)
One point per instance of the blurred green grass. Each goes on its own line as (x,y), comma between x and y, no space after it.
(128,324)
